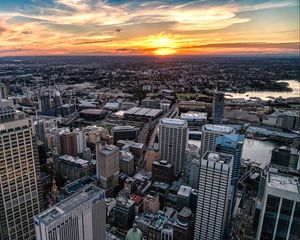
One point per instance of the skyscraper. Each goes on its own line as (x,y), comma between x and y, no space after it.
(78,217)
(280,215)
(68,143)
(232,144)
(44,103)
(210,133)
(20,184)
(3,91)
(107,165)
(173,136)
(218,107)
(214,193)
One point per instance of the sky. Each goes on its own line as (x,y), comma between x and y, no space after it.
(136,27)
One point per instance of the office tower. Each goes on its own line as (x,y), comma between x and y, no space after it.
(40,130)
(232,144)
(82,216)
(107,165)
(285,157)
(214,193)
(209,134)
(68,143)
(173,135)
(80,138)
(44,103)
(124,213)
(3,92)
(218,107)
(57,100)
(151,202)
(162,171)
(127,163)
(20,184)
(280,215)
(183,197)
(184,225)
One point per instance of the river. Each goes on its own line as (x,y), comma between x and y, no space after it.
(295,85)
(255,150)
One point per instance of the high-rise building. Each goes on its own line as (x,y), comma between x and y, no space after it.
(285,157)
(162,171)
(20,183)
(107,165)
(40,130)
(232,144)
(124,213)
(80,138)
(214,193)
(280,214)
(44,103)
(68,144)
(173,136)
(209,134)
(127,163)
(184,225)
(218,107)
(82,216)
(3,91)
(151,202)
(183,197)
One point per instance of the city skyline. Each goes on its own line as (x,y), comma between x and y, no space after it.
(91,27)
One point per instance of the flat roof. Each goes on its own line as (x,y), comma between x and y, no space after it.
(284,182)
(194,115)
(69,204)
(173,121)
(218,128)
(184,191)
(75,160)
(148,112)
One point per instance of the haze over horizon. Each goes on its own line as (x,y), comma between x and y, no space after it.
(120,27)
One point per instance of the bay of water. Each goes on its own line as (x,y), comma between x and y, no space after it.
(255,150)
(295,85)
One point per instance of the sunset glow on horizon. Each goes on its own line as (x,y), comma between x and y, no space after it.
(113,27)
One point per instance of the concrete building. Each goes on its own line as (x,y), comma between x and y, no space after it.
(78,217)
(214,193)
(135,148)
(151,202)
(127,163)
(107,165)
(124,133)
(209,135)
(124,213)
(184,225)
(173,136)
(73,168)
(68,144)
(80,139)
(183,197)
(20,183)
(162,171)
(280,215)
(218,107)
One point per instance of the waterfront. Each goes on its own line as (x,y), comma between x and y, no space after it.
(255,150)
(295,85)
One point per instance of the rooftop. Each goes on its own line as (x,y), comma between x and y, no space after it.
(69,204)
(173,121)
(218,157)
(194,115)
(78,184)
(148,112)
(218,128)
(284,182)
(75,160)
(184,191)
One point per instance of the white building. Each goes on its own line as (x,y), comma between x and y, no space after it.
(213,200)
(194,118)
(173,136)
(79,217)
(210,133)
(280,215)
(20,183)
(81,140)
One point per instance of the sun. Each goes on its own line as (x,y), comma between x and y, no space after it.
(163,45)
